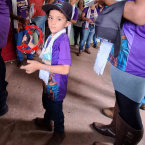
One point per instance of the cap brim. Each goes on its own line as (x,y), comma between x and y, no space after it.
(46,8)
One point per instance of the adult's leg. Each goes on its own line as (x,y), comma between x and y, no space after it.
(80,32)
(129,111)
(89,38)
(130,91)
(76,34)
(94,41)
(3,84)
(129,128)
(108,130)
(40,22)
(18,39)
(85,33)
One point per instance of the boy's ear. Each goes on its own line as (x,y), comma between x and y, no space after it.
(67,23)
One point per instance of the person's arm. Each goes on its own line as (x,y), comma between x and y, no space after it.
(84,18)
(75,17)
(73,21)
(134,11)
(19,18)
(35,65)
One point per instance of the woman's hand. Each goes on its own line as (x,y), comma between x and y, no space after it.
(89,20)
(32,66)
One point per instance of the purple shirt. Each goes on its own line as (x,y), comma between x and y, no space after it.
(9,3)
(131,57)
(85,10)
(57,85)
(22,8)
(75,17)
(4,23)
(136,42)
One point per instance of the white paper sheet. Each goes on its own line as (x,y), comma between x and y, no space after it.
(102,57)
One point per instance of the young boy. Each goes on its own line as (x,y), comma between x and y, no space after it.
(54,70)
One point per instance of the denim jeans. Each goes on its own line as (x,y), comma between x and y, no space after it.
(94,39)
(53,111)
(18,38)
(40,22)
(87,35)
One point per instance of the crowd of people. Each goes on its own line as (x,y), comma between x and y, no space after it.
(127,69)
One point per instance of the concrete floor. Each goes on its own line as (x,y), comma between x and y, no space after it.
(87,94)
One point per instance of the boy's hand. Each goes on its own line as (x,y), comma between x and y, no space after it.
(32,66)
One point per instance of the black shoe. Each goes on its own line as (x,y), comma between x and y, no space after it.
(56,139)
(43,124)
(4,110)
(95,45)
(20,63)
(87,51)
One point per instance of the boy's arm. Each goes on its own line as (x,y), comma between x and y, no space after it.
(35,65)
(59,69)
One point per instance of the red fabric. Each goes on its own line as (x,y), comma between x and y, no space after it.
(9,51)
(38,5)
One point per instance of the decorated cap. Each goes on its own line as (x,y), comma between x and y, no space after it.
(61,5)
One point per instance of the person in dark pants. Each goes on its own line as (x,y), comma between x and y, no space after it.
(4,25)
(78,26)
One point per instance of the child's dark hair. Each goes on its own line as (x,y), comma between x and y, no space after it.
(83,3)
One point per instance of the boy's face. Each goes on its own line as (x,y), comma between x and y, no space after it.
(57,21)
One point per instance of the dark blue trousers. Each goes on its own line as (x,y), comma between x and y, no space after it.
(3,83)
(54,111)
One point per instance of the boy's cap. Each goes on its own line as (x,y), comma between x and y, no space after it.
(62,5)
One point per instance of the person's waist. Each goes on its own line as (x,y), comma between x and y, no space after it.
(40,12)
(92,24)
